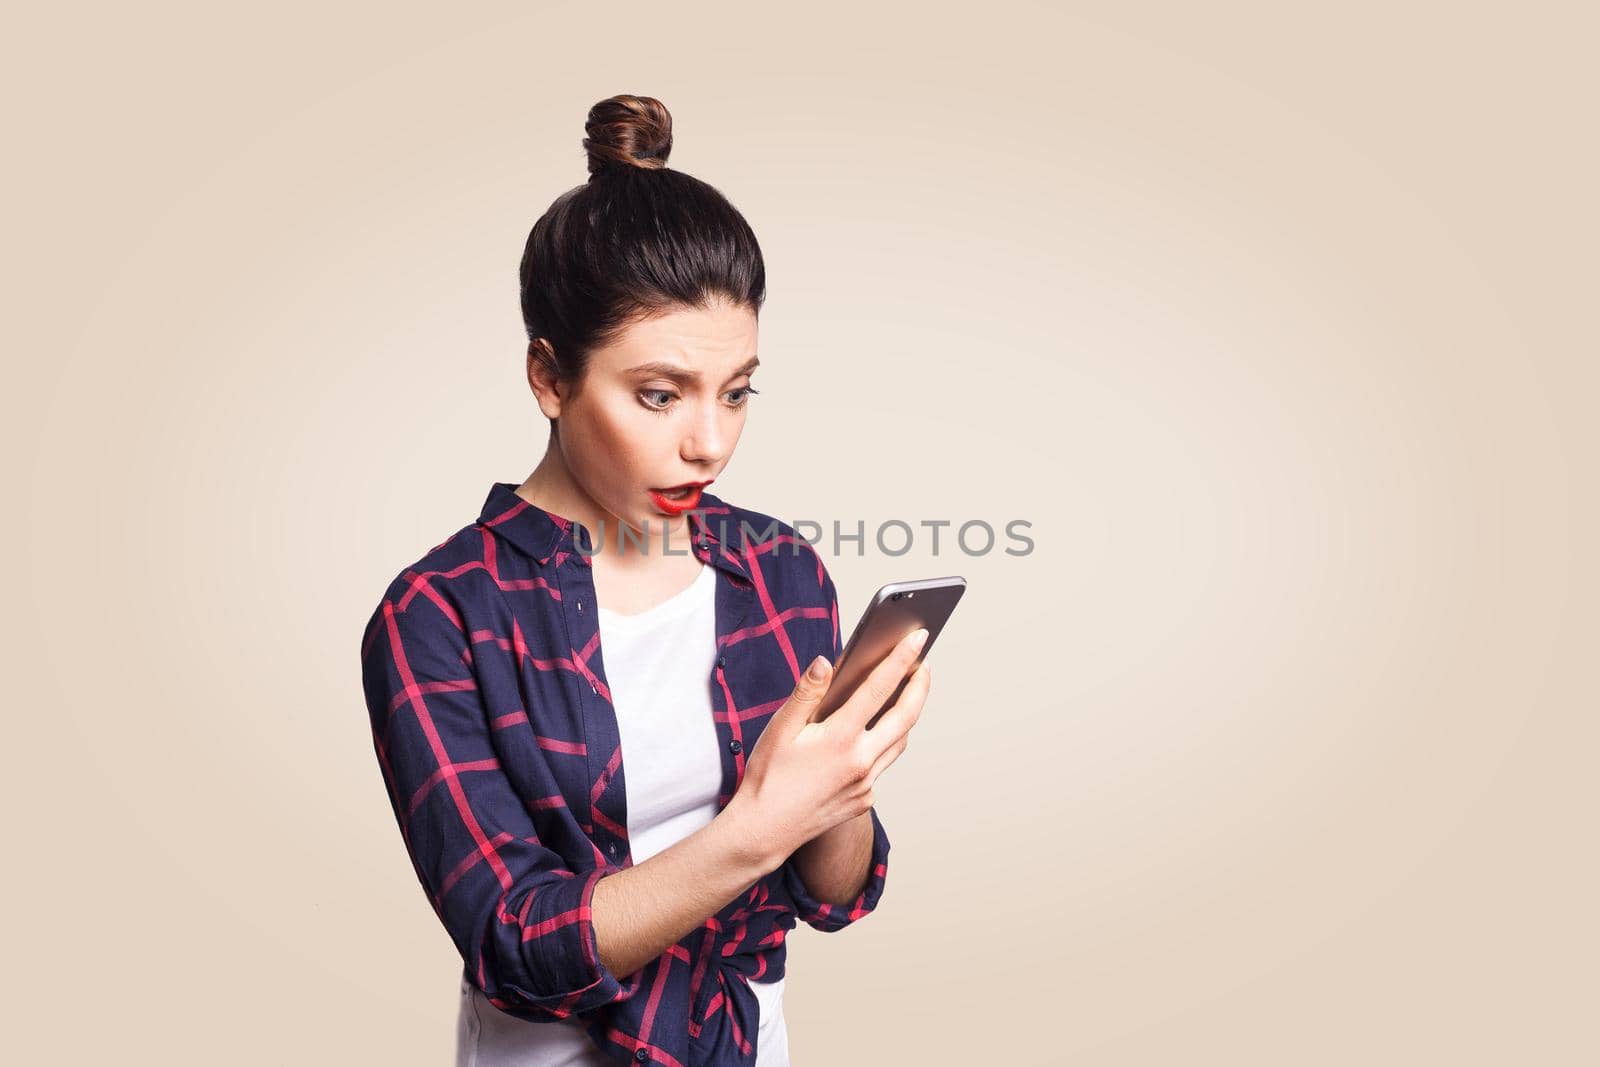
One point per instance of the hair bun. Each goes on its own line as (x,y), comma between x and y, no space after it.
(628,131)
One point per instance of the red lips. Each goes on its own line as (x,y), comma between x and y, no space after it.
(669,506)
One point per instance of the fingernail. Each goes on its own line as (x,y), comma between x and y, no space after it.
(918,639)
(818,667)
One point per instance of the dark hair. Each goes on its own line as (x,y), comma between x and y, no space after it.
(637,240)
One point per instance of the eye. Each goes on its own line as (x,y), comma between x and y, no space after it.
(660,401)
(645,396)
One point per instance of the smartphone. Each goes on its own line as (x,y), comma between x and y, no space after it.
(895,611)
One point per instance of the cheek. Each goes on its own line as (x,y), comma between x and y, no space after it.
(625,445)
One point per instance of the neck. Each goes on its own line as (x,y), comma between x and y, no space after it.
(552,487)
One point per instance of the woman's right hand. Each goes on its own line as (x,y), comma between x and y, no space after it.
(805,777)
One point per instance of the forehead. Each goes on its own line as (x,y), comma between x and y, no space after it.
(720,337)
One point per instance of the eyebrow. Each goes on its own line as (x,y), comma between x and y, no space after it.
(683,375)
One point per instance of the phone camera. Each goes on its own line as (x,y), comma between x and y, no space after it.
(894,596)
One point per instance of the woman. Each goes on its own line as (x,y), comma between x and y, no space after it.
(566,694)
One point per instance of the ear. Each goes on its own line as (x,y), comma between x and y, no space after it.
(542,377)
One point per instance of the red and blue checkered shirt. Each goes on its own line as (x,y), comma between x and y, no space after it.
(494,729)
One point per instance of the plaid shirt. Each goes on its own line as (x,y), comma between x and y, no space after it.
(495,732)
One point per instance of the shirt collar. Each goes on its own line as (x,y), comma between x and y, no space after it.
(718,536)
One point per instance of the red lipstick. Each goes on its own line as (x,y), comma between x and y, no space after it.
(677,505)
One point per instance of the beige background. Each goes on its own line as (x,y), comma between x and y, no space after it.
(1278,328)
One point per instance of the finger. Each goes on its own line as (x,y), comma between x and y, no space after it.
(872,694)
(906,710)
(888,756)
(808,693)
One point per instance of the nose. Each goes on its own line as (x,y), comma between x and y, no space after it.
(708,438)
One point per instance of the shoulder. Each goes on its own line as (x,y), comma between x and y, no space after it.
(786,558)
(439,591)
(794,585)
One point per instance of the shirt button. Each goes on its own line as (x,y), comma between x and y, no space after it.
(735,746)
(722,661)
(641,1054)
(612,848)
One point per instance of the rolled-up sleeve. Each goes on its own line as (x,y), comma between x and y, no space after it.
(815,913)
(518,914)
(830,917)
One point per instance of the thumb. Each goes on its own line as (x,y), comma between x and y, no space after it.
(808,691)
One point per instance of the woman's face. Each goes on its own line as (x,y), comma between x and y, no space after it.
(661,406)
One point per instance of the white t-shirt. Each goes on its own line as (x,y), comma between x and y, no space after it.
(658,664)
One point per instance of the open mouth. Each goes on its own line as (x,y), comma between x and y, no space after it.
(679,498)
